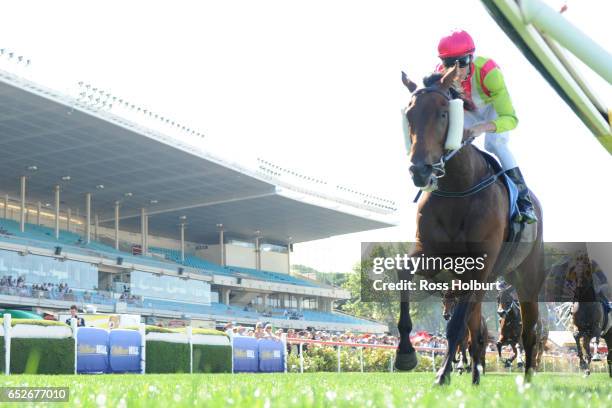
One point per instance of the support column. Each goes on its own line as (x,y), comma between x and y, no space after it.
(143,231)
(225,296)
(38,210)
(257,253)
(289,247)
(265,301)
(68,219)
(222,243)
(22,208)
(57,210)
(96,223)
(182,242)
(300,300)
(88,218)
(117,225)
(146,247)
(6,200)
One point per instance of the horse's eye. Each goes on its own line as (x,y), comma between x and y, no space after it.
(444,114)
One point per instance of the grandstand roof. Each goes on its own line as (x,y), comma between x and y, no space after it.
(40,127)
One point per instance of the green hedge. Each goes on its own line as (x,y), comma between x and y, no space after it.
(195,330)
(36,322)
(166,357)
(42,356)
(212,358)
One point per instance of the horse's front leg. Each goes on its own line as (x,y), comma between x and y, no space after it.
(455,332)
(577,337)
(529,317)
(405,358)
(476,343)
(519,353)
(464,353)
(586,342)
(514,355)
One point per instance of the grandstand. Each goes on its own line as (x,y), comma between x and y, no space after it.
(128,219)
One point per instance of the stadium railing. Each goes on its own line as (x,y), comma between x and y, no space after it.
(550,362)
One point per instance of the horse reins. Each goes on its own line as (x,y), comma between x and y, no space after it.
(439,167)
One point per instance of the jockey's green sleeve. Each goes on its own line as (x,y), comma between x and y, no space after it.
(500,98)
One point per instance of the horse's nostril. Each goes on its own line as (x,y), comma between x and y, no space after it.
(422,170)
(420,174)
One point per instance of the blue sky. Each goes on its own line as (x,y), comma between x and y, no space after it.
(315,85)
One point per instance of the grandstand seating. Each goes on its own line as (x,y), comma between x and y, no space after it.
(220,309)
(190,260)
(271,276)
(44,237)
(199,263)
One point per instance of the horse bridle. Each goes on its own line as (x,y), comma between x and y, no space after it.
(513,305)
(438,168)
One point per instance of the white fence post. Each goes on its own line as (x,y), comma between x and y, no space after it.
(75,327)
(433,361)
(143,347)
(189,332)
(285,354)
(339,367)
(7,343)
(301,350)
(361,358)
(231,336)
(391,362)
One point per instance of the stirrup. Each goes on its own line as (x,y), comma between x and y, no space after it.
(529,218)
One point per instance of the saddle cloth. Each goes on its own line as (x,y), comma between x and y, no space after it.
(515,249)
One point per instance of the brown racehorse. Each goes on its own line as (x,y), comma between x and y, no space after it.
(510,324)
(474,224)
(588,315)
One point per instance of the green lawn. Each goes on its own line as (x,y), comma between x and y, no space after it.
(324,389)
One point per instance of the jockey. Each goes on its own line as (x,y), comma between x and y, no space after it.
(491,112)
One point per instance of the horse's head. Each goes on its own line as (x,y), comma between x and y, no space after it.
(449,301)
(581,270)
(427,134)
(505,301)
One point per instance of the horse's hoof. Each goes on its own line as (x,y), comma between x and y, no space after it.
(528,375)
(405,361)
(442,379)
(520,365)
(587,372)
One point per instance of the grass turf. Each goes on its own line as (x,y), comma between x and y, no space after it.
(324,389)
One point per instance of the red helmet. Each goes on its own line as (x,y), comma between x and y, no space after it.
(456,44)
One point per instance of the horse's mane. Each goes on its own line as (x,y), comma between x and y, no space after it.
(456,91)
(432,79)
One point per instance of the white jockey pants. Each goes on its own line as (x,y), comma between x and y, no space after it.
(495,143)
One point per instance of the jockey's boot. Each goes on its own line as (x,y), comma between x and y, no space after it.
(525,205)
